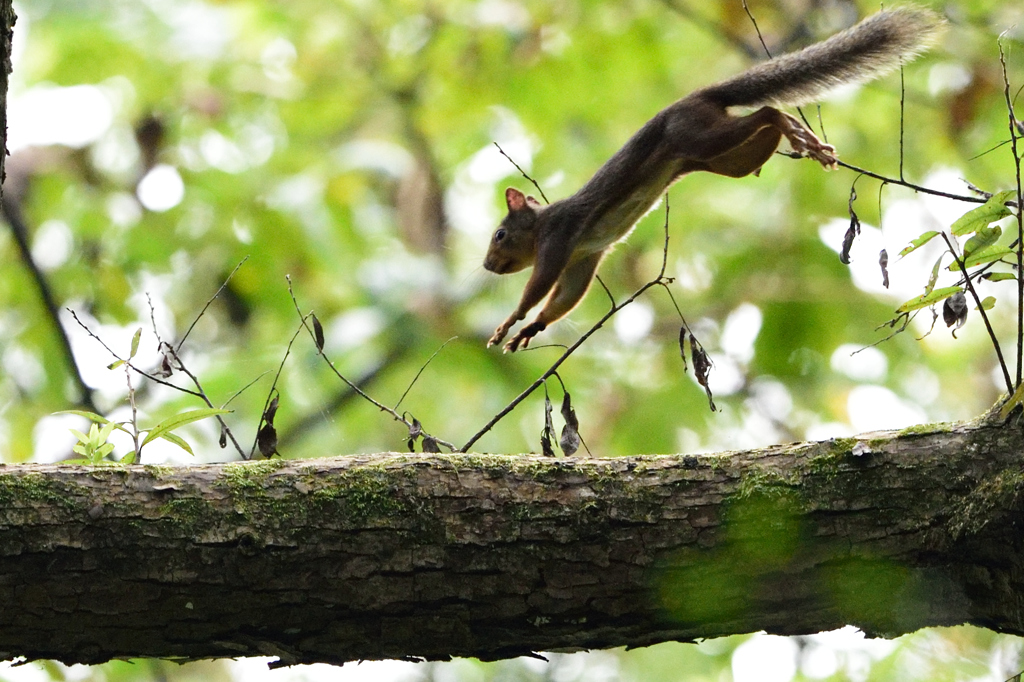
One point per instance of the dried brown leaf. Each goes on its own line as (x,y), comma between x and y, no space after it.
(318,333)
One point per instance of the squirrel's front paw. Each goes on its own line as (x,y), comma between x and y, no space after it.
(499,334)
(524,336)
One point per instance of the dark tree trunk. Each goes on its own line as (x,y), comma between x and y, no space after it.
(394,556)
(7,19)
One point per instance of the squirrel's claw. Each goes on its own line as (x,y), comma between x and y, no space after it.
(825,154)
(513,345)
(500,333)
(806,143)
(524,336)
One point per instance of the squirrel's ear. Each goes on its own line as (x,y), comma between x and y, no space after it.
(532,201)
(515,199)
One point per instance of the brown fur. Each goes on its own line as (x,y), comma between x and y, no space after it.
(566,241)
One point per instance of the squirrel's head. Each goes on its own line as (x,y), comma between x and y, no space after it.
(514,245)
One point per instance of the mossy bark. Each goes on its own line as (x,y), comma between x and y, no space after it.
(393,556)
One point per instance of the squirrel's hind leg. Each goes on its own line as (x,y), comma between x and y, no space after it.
(803,141)
(748,156)
(739,145)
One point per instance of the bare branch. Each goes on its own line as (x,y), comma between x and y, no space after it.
(415,378)
(380,406)
(984,315)
(209,303)
(1020,215)
(523,173)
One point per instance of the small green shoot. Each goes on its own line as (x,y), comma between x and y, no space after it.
(93,447)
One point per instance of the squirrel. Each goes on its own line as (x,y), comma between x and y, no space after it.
(565,241)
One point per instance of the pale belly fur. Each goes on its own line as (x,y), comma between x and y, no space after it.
(616,224)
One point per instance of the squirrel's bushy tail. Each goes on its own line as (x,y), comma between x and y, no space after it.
(865,51)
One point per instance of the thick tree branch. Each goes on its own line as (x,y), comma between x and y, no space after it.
(391,556)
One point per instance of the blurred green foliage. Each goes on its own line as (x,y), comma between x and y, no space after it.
(348,144)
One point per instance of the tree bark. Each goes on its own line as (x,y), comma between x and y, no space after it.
(7,19)
(400,556)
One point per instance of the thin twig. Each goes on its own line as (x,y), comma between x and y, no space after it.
(757,29)
(208,304)
(903,107)
(273,388)
(717,28)
(760,37)
(984,316)
(152,320)
(243,389)
(303,424)
(151,377)
(606,290)
(337,373)
(660,280)
(881,188)
(201,394)
(664,251)
(554,367)
(903,183)
(135,414)
(565,391)
(665,282)
(90,333)
(523,173)
(988,151)
(415,378)
(892,323)
(1020,217)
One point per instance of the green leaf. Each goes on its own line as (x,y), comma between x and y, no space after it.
(135,343)
(935,274)
(920,241)
(986,255)
(129,458)
(79,435)
(989,212)
(988,302)
(91,416)
(925,300)
(999,276)
(179,441)
(96,418)
(115,364)
(104,433)
(104,450)
(986,236)
(1013,401)
(177,420)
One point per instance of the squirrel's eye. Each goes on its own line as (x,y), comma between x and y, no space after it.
(499,235)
